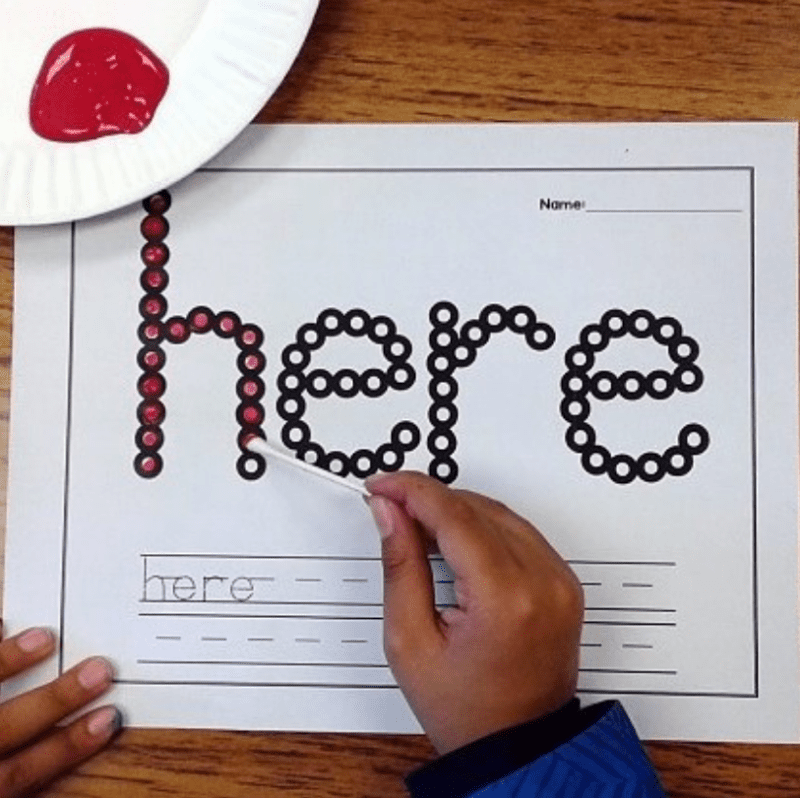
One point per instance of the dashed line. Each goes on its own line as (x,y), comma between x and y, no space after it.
(214,639)
(168,637)
(637,645)
(307,640)
(636,584)
(306,579)
(355,641)
(260,639)
(353,579)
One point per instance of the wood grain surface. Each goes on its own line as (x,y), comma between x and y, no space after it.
(475,60)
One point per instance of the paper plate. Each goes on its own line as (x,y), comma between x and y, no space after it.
(225,57)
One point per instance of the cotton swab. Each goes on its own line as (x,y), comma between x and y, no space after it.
(260,446)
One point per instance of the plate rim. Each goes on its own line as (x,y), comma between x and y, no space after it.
(63,156)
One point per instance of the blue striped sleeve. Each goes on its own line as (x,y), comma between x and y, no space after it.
(606,760)
(574,753)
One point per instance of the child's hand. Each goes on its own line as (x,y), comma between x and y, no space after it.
(33,751)
(509,652)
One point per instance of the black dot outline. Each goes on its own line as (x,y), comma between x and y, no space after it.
(453,348)
(155,331)
(382,455)
(294,381)
(650,467)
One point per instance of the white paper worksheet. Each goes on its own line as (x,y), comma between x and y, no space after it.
(596,324)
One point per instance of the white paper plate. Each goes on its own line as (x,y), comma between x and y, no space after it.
(225,57)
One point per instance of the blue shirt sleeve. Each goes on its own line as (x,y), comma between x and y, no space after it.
(605,760)
(602,759)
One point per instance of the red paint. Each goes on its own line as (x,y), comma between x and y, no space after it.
(252,362)
(154,228)
(244,440)
(154,279)
(154,307)
(96,82)
(152,332)
(227,324)
(178,330)
(150,438)
(152,387)
(155,254)
(152,412)
(252,415)
(158,203)
(200,321)
(148,465)
(153,360)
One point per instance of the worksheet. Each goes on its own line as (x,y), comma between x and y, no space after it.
(595,324)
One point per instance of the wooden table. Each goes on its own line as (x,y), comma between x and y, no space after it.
(479,60)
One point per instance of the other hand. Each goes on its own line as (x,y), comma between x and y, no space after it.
(508,652)
(33,750)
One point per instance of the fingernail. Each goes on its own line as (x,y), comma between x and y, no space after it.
(94,673)
(373,479)
(382,513)
(35,640)
(105,721)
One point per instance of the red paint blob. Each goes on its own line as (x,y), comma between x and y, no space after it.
(253,363)
(178,330)
(200,321)
(150,438)
(155,254)
(154,228)
(158,203)
(245,439)
(154,307)
(152,412)
(152,360)
(148,465)
(154,279)
(152,387)
(96,82)
(252,415)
